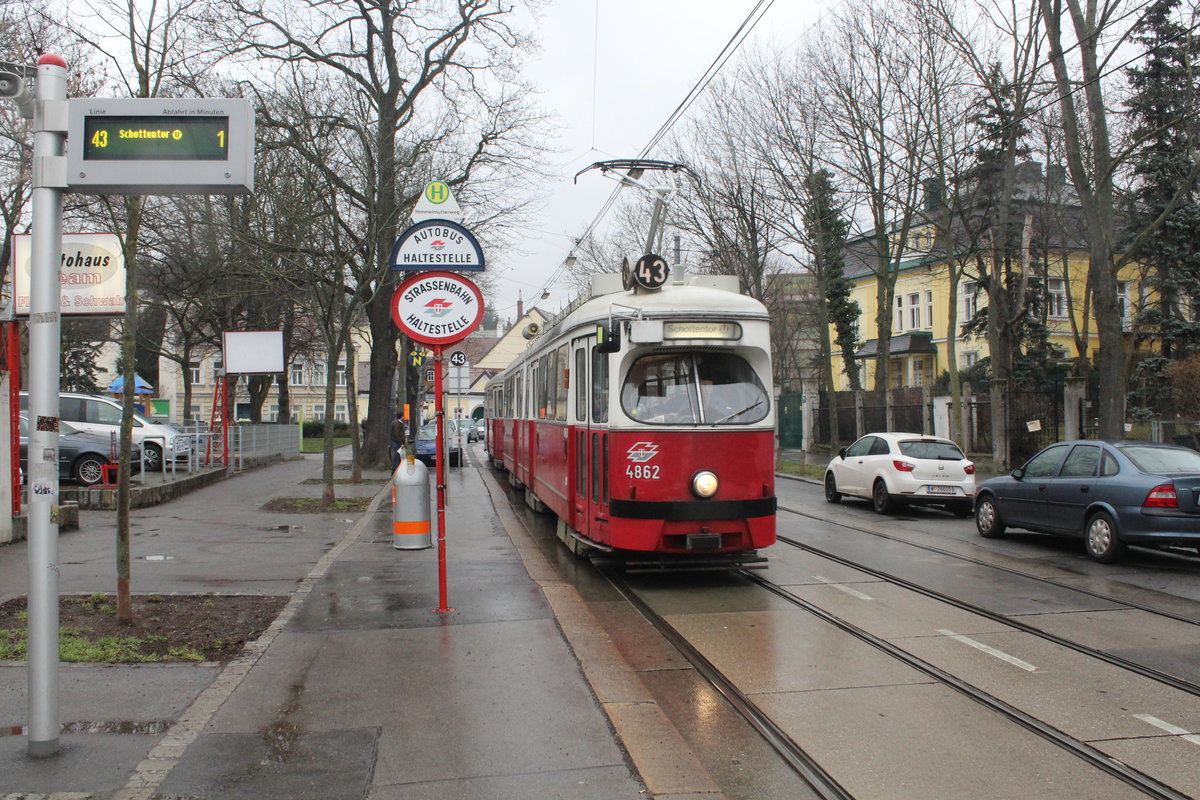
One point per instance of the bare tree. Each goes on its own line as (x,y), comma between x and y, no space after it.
(423,91)
(871,105)
(1093,168)
(151,51)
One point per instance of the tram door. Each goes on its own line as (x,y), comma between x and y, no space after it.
(581,463)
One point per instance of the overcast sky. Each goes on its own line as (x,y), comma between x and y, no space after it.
(612,71)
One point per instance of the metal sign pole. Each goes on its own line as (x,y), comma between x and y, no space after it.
(439,414)
(44,349)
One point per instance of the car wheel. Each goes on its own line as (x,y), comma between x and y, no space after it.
(89,470)
(987,518)
(881,501)
(152,454)
(832,495)
(1101,539)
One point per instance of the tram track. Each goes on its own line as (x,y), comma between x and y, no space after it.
(990,565)
(1167,679)
(805,765)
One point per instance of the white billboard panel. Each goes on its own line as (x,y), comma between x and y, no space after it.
(91,274)
(253,352)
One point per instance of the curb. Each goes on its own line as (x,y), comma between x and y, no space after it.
(661,756)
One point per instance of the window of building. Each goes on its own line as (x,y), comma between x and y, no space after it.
(297,374)
(273,412)
(340,379)
(194,412)
(218,370)
(1123,304)
(1056,298)
(318,373)
(928,309)
(914,311)
(194,369)
(898,315)
(339,412)
(968,359)
(318,411)
(968,295)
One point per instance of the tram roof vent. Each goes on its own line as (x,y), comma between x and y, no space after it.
(728,283)
(606,283)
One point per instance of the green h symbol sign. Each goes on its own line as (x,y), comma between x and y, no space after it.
(437,192)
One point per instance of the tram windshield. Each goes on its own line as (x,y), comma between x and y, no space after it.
(693,388)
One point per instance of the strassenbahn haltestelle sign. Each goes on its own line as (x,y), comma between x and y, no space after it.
(437,308)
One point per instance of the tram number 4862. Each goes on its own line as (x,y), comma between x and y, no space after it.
(643,471)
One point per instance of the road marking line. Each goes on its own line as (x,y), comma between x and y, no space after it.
(1182,733)
(991,651)
(846,589)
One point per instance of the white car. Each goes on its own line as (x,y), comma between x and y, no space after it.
(898,469)
(102,415)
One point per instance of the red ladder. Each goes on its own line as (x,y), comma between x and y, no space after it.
(218,440)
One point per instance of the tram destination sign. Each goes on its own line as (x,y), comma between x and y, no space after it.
(160,146)
(437,244)
(437,308)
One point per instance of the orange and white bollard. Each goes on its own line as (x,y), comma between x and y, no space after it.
(410,506)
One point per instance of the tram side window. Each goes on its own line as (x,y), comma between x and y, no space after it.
(599,386)
(580,385)
(539,389)
(562,387)
(549,384)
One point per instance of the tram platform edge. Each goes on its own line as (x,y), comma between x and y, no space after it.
(662,757)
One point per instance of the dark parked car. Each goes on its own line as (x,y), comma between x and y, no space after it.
(426,444)
(1112,494)
(81,456)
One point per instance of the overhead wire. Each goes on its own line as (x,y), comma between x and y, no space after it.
(731,46)
(735,41)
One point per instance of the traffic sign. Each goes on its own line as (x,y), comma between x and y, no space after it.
(458,358)
(437,202)
(160,146)
(437,244)
(437,308)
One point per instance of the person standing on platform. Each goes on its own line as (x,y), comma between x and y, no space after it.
(398,431)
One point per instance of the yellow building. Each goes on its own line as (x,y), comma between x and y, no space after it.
(1054,267)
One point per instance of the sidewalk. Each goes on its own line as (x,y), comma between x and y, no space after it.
(358,689)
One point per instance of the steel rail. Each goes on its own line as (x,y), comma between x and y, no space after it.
(1082,750)
(932,549)
(1165,678)
(824,784)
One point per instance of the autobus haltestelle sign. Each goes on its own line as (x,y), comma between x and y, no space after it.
(437,307)
(437,244)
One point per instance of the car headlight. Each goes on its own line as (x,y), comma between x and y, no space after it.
(705,483)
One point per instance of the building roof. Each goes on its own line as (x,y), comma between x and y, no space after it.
(506,349)
(916,343)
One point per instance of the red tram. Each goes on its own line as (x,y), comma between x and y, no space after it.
(645,421)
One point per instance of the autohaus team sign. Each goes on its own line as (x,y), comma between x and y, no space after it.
(437,244)
(437,308)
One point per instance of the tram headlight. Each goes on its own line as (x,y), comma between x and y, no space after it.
(705,483)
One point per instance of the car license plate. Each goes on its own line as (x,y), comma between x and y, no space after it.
(941,489)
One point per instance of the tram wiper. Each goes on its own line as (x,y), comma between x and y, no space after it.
(753,405)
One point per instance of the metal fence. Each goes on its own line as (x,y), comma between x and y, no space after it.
(254,444)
